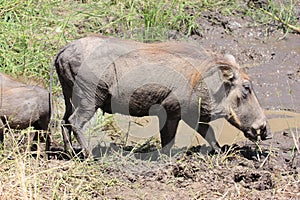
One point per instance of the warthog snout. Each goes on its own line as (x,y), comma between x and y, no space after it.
(265,131)
(259,132)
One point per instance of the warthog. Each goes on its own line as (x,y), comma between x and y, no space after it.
(173,80)
(23,105)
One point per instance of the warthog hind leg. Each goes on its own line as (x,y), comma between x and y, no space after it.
(77,121)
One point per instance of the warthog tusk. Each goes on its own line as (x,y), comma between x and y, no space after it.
(234,116)
(258,132)
(259,138)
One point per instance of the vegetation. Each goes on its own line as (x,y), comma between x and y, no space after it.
(27,175)
(33,31)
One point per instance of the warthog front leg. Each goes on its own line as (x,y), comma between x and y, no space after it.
(167,133)
(208,134)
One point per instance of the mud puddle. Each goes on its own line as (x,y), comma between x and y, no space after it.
(140,130)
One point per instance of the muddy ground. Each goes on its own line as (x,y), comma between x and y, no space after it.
(244,171)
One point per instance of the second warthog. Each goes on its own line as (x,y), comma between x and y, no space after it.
(173,80)
(22,106)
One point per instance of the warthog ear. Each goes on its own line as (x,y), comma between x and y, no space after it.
(228,74)
(230,58)
(219,79)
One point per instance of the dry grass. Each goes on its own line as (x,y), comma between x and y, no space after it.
(27,174)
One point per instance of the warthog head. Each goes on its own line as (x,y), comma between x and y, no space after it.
(243,109)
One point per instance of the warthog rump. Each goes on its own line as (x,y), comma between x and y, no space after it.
(22,106)
(173,80)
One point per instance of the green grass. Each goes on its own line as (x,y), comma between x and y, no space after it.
(32,32)
(282,12)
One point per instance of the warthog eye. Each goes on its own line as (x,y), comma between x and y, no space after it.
(246,89)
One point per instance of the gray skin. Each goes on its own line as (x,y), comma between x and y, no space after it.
(22,106)
(173,80)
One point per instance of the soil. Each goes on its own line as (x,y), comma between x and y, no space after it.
(244,171)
